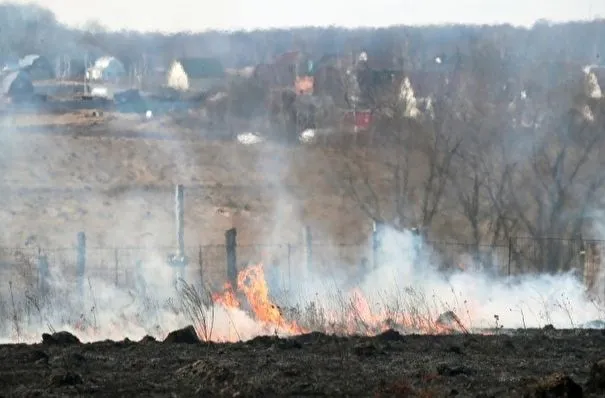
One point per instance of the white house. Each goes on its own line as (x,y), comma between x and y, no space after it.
(106,69)
(195,74)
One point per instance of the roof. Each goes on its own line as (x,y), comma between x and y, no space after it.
(28,60)
(103,62)
(199,68)
(10,78)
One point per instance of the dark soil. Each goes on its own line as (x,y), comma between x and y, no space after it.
(536,363)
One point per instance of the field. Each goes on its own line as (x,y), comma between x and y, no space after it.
(112,176)
(532,363)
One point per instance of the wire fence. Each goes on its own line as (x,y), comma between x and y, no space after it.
(209,263)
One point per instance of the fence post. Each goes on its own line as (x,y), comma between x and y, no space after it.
(308,247)
(178,261)
(289,267)
(200,263)
(377,228)
(180,220)
(231,245)
(510,254)
(43,273)
(81,262)
(116,266)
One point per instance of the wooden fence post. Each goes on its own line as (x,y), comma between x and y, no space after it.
(231,245)
(81,262)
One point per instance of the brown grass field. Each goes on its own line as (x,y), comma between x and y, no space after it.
(66,173)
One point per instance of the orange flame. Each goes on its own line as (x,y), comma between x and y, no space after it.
(227,298)
(251,282)
(358,316)
(355,315)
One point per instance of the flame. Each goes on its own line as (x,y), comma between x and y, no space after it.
(227,298)
(354,313)
(357,315)
(252,284)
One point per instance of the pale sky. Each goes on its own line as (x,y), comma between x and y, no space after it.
(191,15)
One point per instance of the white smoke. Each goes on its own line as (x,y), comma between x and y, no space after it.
(409,280)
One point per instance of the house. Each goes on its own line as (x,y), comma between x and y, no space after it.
(17,85)
(195,74)
(37,66)
(289,70)
(108,69)
(331,79)
(289,66)
(377,77)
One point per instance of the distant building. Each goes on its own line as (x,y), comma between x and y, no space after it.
(376,77)
(288,70)
(331,79)
(195,74)
(108,69)
(17,85)
(37,66)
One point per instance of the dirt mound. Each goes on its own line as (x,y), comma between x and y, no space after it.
(596,382)
(60,338)
(187,335)
(555,385)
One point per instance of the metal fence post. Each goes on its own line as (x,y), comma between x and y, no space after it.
(377,228)
(116,266)
(81,262)
(179,261)
(43,273)
(180,220)
(200,263)
(231,245)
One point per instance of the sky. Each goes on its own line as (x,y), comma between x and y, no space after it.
(191,15)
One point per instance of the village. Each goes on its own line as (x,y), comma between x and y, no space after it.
(294,93)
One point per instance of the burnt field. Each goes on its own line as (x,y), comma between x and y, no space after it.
(537,363)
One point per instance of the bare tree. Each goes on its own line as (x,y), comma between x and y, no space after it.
(403,179)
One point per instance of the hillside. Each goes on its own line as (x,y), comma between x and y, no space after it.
(120,190)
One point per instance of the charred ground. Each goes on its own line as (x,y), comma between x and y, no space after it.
(538,363)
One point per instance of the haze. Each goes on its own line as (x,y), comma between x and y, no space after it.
(188,15)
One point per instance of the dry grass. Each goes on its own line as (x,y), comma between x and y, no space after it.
(120,190)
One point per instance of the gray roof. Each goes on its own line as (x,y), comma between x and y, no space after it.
(28,60)
(199,68)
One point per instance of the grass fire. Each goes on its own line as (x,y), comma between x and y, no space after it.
(402,211)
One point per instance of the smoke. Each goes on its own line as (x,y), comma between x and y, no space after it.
(409,280)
